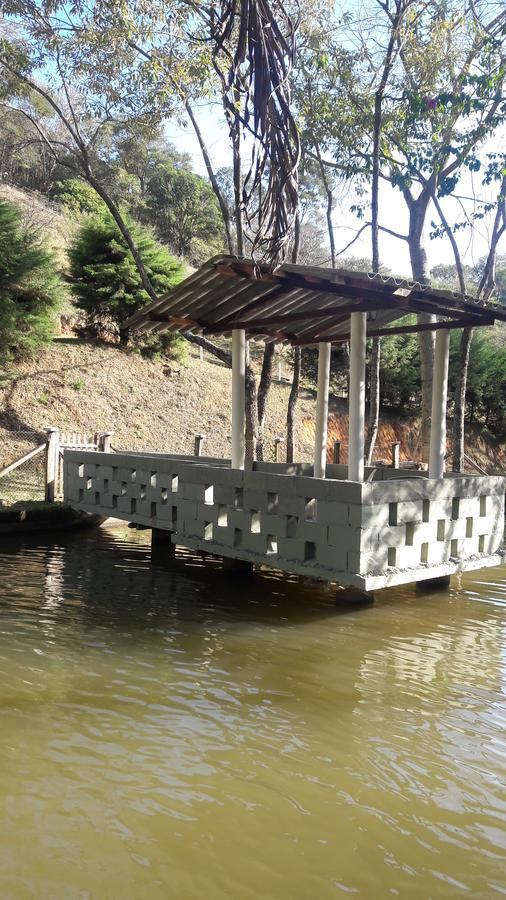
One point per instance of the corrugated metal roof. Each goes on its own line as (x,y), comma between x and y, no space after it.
(301,304)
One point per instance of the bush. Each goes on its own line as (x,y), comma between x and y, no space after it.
(78,197)
(164,345)
(105,281)
(31,289)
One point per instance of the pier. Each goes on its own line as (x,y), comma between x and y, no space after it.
(359,526)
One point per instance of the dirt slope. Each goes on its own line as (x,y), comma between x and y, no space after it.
(159,406)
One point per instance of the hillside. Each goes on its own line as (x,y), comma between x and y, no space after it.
(161,406)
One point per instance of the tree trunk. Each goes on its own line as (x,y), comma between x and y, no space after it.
(460,400)
(225,215)
(263,393)
(420,272)
(251,415)
(374,399)
(292,404)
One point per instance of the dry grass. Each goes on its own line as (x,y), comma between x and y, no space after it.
(160,406)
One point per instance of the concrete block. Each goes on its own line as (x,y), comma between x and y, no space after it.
(104,472)
(391,536)
(291,506)
(254,499)
(279,526)
(281,484)
(224,494)
(344,537)
(164,514)
(457,529)
(409,511)
(312,531)
(425,532)
(364,563)
(238,518)
(255,543)
(90,471)
(125,473)
(224,536)
(438,553)
(255,481)
(323,489)
(124,505)
(332,513)
(231,477)
(369,516)
(192,491)
(408,557)
(291,549)
(332,558)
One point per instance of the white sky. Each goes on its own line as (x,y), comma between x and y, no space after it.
(394,252)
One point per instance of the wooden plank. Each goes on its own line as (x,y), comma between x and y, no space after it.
(415,328)
(19,462)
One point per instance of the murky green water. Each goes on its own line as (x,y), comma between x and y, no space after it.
(177,734)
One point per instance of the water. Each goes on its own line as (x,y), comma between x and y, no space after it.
(178,734)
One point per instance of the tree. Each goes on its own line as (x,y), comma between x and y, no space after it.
(442,100)
(31,289)
(184,209)
(105,280)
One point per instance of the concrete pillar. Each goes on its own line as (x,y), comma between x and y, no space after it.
(238,398)
(439,401)
(104,441)
(336,456)
(197,448)
(356,396)
(322,410)
(52,463)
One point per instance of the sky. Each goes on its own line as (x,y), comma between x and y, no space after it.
(393,214)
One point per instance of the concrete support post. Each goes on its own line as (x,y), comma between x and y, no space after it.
(277,449)
(336,456)
(439,402)
(104,441)
(52,462)
(238,398)
(356,396)
(322,410)
(199,440)
(396,454)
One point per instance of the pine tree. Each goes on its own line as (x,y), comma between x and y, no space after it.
(31,289)
(105,280)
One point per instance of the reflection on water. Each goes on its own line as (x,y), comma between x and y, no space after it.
(176,733)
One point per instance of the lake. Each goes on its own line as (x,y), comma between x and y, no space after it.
(175,732)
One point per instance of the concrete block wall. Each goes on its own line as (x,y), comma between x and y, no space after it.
(368,535)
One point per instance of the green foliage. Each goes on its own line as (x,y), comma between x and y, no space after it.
(162,346)
(486,380)
(30,289)
(400,371)
(78,197)
(105,281)
(184,210)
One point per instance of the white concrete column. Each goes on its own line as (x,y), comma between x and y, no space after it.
(238,398)
(356,396)
(439,400)
(322,410)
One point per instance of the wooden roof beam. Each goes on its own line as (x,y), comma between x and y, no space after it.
(415,328)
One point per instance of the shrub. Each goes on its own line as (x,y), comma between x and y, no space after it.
(78,197)
(31,289)
(165,345)
(105,281)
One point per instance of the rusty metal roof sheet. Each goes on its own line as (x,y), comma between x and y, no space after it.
(303,304)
